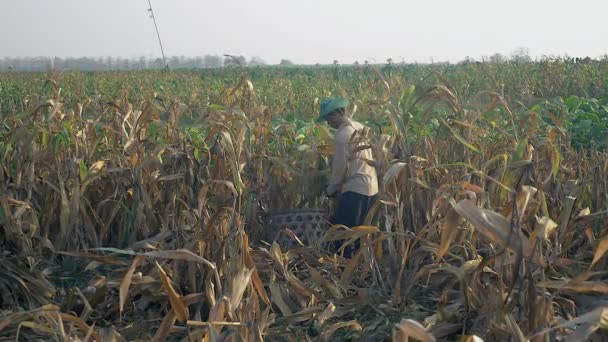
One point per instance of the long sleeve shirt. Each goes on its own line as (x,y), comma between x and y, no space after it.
(349,171)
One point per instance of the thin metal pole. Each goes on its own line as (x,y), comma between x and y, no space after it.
(160,42)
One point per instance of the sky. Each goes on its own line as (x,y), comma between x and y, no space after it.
(307,31)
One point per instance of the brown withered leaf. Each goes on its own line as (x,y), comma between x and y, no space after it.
(326,314)
(112,260)
(602,247)
(218,311)
(352,325)
(255,277)
(20,316)
(97,166)
(239,284)
(449,232)
(495,227)
(545,227)
(523,199)
(163,329)
(324,283)
(180,309)
(300,288)
(180,254)
(409,328)
(588,322)
(277,299)
(302,315)
(82,325)
(348,273)
(577,286)
(472,187)
(126,282)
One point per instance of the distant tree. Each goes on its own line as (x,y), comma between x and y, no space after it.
(174,62)
(142,63)
(521,55)
(210,61)
(497,58)
(286,62)
(197,62)
(256,61)
(157,63)
(467,60)
(238,61)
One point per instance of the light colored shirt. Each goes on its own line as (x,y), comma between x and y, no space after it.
(349,171)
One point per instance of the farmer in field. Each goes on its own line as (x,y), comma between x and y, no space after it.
(353,181)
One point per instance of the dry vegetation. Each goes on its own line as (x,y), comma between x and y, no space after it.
(117,221)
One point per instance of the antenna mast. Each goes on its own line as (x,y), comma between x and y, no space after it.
(162,51)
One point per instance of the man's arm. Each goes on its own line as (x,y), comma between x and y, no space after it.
(338,166)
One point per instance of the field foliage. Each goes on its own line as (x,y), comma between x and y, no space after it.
(133,204)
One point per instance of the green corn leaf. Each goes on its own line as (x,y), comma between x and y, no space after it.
(460,138)
(83,170)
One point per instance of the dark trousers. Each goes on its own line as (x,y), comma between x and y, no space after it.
(351,210)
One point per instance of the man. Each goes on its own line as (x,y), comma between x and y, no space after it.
(353,180)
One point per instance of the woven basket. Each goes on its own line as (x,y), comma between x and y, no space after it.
(293,219)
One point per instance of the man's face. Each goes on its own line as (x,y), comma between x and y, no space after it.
(334,120)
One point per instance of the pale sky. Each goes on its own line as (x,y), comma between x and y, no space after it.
(307,31)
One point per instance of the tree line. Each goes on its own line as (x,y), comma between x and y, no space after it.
(41,64)
(120,63)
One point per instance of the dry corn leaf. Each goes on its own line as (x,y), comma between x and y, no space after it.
(303,315)
(472,187)
(326,314)
(577,286)
(584,212)
(181,310)
(218,311)
(292,236)
(409,328)
(112,260)
(19,316)
(602,247)
(126,282)
(163,329)
(277,299)
(180,254)
(330,330)
(598,318)
(364,230)
(393,172)
(277,256)
(325,283)
(35,326)
(495,227)
(255,277)
(449,232)
(300,288)
(348,272)
(239,284)
(545,227)
(97,166)
(81,324)
(523,199)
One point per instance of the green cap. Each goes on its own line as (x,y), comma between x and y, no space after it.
(329,105)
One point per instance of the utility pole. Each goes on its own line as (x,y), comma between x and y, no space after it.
(162,51)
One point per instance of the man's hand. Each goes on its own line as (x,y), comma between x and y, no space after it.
(327,193)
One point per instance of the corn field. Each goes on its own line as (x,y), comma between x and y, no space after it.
(134,205)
